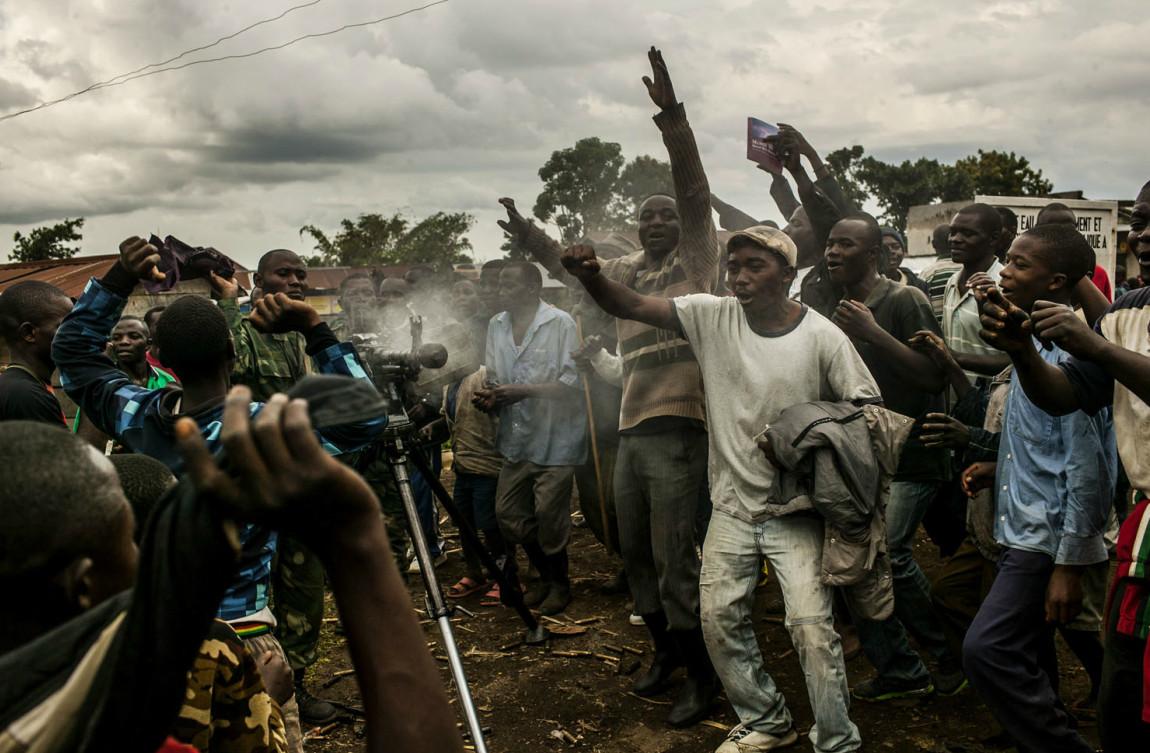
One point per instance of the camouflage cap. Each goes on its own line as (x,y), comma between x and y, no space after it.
(772,239)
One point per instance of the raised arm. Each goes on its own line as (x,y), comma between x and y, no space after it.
(1010,329)
(542,247)
(1060,326)
(106,395)
(1091,299)
(617,300)
(824,180)
(731,217)
(698,241)
(783,195)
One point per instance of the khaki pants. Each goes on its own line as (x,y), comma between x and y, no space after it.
(533,504)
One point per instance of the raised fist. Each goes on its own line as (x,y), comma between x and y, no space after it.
(141,258)
(581,262)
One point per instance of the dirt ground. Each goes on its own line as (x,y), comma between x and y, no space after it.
(533,700)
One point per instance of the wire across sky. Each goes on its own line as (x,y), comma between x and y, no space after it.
(154,69)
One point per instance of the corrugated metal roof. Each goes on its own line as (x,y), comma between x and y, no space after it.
(70,275)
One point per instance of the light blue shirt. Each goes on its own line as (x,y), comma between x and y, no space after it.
(1055,479)
(544,432)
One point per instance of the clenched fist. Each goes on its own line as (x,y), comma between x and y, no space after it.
(141,258)
(581,262)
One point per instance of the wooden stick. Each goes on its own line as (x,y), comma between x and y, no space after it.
(595,447)
(651,701)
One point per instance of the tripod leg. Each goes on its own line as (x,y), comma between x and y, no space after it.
(438,608)
(505,576)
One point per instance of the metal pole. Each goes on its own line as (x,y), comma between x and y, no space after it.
(594,446)
(439,610)
(510,592)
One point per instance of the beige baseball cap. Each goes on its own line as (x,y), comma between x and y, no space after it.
(769,238)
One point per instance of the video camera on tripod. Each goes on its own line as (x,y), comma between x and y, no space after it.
(394,375)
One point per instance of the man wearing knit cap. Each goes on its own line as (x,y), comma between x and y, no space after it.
(660,472)
(894,245)
(759,353)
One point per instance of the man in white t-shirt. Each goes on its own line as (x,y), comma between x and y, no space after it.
(760,353)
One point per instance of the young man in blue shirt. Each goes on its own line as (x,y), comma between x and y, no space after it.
(1054,484)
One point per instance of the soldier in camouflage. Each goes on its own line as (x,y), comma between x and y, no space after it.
(268,363)
(230,705)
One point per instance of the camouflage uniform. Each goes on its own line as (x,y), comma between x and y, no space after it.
(379,478)
(227,709)
(267,364)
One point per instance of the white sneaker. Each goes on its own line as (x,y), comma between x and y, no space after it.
(636,620)
(743,740)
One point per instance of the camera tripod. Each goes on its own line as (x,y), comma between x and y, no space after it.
(394,444)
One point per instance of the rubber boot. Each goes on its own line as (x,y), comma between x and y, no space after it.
(702,686)
(560,594)
(666,661)
(312,711)
(616,585)
(538,590)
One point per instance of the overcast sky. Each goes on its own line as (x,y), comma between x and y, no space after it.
(450,108)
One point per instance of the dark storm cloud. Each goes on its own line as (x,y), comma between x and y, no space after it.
(451,108)
(291,146)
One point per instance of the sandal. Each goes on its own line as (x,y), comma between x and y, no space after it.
(491,598)
(465,587)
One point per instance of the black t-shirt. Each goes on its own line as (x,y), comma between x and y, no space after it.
(902,310)
(23,397)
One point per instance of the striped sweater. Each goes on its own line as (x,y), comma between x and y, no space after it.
(661,377)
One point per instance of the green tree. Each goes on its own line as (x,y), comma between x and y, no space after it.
(578,187)
(898,187)
(375,239)
(512,251)
(844,165)
(48,242)
(997,173)
(642,177)
(590,187)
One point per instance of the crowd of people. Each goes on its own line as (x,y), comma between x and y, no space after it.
(167,552)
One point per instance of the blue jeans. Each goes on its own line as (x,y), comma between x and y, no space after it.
(475,499)
(1008,655)
(425,498)
(793,545)
(885,643)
